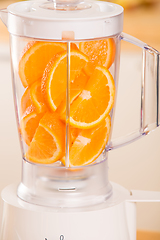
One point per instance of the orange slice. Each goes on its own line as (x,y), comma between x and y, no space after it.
(76,88)
(33,96)
(35,57)
(26,101)
(95,101)
(74,132)
(48,143)
(29,124)
(54,80)
(100,52)
(89,144)
(37,97)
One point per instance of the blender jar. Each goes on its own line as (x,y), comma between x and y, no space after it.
(64,79)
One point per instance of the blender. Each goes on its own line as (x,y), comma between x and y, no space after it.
(65,63)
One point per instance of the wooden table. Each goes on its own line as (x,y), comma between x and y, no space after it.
(145,235)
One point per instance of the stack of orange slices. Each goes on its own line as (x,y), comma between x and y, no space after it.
(73,90)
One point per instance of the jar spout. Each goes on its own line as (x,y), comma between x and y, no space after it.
(4,15)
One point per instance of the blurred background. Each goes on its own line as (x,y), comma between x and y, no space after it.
(135,166)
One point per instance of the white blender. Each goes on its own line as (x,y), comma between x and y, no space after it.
(65,63)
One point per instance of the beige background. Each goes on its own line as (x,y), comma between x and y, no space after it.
(135,166)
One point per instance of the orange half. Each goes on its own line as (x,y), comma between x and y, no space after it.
(95,101)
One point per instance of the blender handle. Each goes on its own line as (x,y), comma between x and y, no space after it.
(150,87)
(143,196)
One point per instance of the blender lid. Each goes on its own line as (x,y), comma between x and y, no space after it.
(65,19)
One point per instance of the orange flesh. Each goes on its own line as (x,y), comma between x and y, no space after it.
(48,144)
(43,70)
(100,52)
(89,144)
(95,101)
(29,124)
(55,77)
(35,58)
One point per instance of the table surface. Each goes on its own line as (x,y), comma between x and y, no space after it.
(145,235)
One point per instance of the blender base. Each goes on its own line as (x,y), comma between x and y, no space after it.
(23,221)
